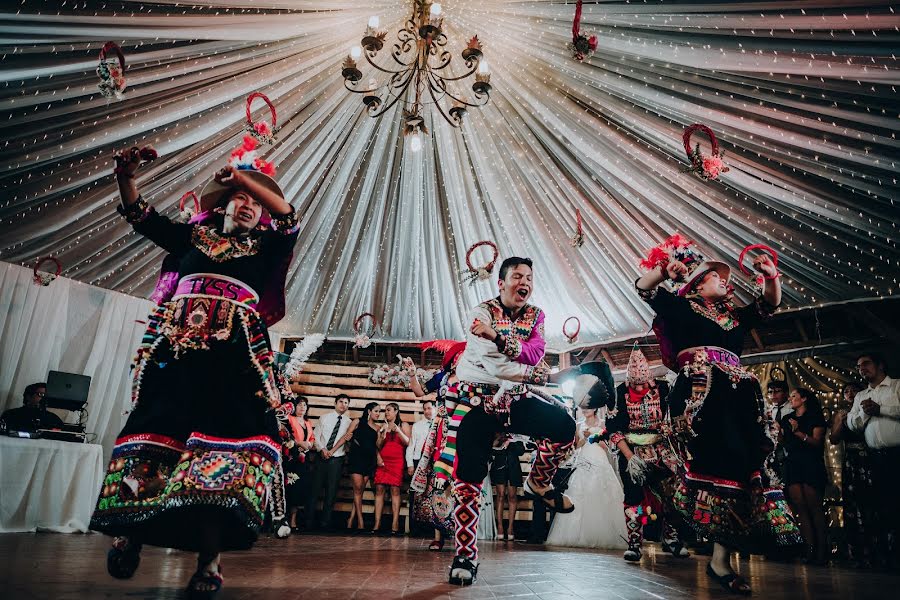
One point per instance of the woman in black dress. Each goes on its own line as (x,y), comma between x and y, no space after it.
(362,436)
(803,436)
(506,477)
(194,463)
(724,493)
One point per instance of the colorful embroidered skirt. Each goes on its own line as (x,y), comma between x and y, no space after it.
(724,493)
(198,451)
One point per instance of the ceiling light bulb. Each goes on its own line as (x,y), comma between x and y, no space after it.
(435,9)
(355,52)
(415,142)
(374,21)
(483,67)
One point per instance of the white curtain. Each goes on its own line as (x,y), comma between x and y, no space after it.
(802,96)
(73,327)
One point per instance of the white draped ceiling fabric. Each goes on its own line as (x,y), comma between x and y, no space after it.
(802,96)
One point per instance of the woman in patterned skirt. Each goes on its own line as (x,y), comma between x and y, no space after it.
(193,466)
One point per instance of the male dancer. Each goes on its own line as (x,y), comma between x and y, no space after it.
(647,461)
(504,345)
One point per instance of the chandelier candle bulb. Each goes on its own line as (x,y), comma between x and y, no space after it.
(355,52)
(415,142)
(374,22)
(435,10)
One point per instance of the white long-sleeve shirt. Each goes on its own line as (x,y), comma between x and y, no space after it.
(326,425)
(883,430)
(420,430)
(482,362)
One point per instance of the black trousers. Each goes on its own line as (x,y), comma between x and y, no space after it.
(536,417)
(885,469)
(326,472)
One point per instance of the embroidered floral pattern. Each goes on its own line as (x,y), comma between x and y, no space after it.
(722,313)
(222,248)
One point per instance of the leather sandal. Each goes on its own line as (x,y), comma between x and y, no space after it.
(732,582)
(201,577)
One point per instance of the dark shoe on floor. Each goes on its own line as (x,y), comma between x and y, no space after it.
(633,554)
(463,571)
(436,545)
(732,582)
(201,580)
(123,558)
(675,548)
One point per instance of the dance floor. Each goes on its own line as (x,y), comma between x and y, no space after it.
(72,567)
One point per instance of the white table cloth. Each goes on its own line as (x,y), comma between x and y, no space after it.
(48,485)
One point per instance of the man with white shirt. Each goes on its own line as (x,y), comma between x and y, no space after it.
(420,431)
(504,347)
(876,414)
(329,460)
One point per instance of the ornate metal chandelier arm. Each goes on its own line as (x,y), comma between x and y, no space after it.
(396,98)
(454,122)
(439,85)
(469,73)
(406,66)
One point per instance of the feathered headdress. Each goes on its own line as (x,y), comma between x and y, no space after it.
(451,349)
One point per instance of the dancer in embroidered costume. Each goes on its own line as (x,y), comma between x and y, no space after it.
(725,492)
(194,465)
(648,462)
(503,348)
(434,503)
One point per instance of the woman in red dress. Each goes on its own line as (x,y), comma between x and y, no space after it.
(393,438)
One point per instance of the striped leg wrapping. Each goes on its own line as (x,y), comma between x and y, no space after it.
(444,466)
(633,526)
(546,461)
(468,496)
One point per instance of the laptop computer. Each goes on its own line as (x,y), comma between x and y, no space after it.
(67,391)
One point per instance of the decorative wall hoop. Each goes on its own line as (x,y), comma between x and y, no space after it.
(473,274)
(577,240)
(750,273)
(703,166)
(262,131)
(186,214)
(582,45)
(362,340)
(772,376)
(112,76)
(572,337)
(42,277)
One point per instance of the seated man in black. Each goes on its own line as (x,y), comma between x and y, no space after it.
(32,415)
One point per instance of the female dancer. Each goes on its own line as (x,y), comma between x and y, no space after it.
(192,466)
(725,493)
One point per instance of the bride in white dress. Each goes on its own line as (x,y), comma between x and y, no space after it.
(596,491)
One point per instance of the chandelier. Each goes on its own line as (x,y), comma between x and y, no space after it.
(418,72)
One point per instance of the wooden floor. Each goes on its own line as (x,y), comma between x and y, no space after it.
(72,567)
